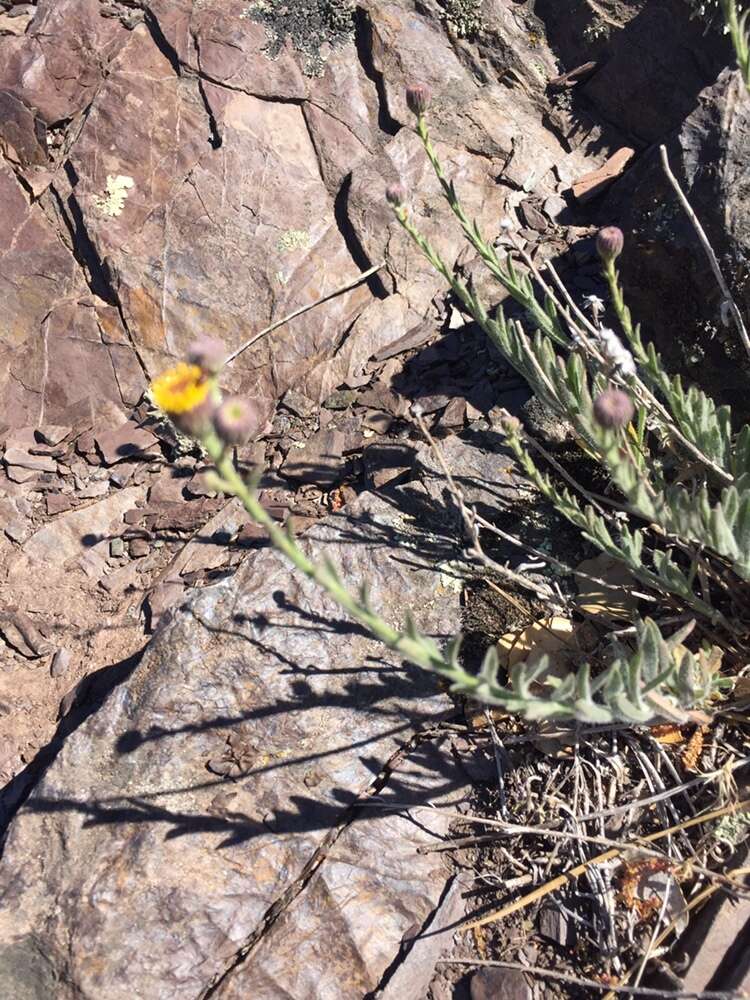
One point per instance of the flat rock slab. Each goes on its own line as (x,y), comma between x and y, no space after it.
(135,871)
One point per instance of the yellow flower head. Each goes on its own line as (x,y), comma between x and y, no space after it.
(180,389)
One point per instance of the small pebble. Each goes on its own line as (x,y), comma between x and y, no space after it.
(139,547)
(60,662)
(117,547)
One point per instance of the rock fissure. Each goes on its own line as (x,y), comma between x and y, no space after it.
(160,40)
(351,239)
(94,269)
(276,910)
(363,43)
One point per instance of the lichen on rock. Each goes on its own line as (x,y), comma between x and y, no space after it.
(113,202)
(312,25)
(463,17)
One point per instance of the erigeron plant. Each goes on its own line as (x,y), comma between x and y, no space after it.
(737,20)
(680,521)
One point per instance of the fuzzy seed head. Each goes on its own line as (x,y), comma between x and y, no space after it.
(235,420)
(418,97)
(609,243)
(395,195)
(613,408)
(208,354)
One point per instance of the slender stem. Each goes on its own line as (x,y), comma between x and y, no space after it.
(563,977)
(623,314)
(323,574)
(303,309)
(524,296)
(544,592)
(709,251)
(737,26)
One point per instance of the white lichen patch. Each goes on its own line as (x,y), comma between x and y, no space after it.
(293,239)
(113,202)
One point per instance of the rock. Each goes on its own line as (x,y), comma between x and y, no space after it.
(122,473)
(532,217)
(542,422)
(20,632)
(555,207)
(554,925)
(659,62)
(197,486)
(121,580)
(319,461)
(411,978)
(714,946)
(72,534)
(481,467)
(14,23)
(138,548)
(57,503)
(666,275)
(97,488)
(595,183)
(127,810)
(167,488)
(17,530)
(60,662)
(127,441)
(162,598)
(17,474)
(499,984)
(24,460)
(299,404)
(117,548)
(52,434)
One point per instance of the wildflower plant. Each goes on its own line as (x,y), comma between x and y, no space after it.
(678,513)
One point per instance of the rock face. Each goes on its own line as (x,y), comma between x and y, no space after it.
(238,818)
(653,59)
(667,276)
(167,176)
(218,820)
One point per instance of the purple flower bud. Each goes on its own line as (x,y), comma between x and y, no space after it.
(197,421)
(613,408)
(208,353)
(509,424)
(418,97)
(236,420)
(609,243)
(395,195)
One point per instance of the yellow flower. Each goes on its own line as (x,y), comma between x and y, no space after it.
(180,389)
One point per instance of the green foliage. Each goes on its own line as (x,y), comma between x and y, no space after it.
(658,677)
(682,523)
(737,23)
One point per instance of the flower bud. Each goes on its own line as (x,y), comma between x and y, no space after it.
(197,421)
(609,243)
(509,424)
(208,353)
(235,420)
(613,408)
(395,195)
(418,98)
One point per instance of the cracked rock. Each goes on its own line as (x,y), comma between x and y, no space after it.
(131,870)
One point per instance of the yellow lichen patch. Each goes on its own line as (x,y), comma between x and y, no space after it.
(293,239)
(180,389)
(113,202)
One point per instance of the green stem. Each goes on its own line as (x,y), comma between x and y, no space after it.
(419,649)
(523,295)
(737,26)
